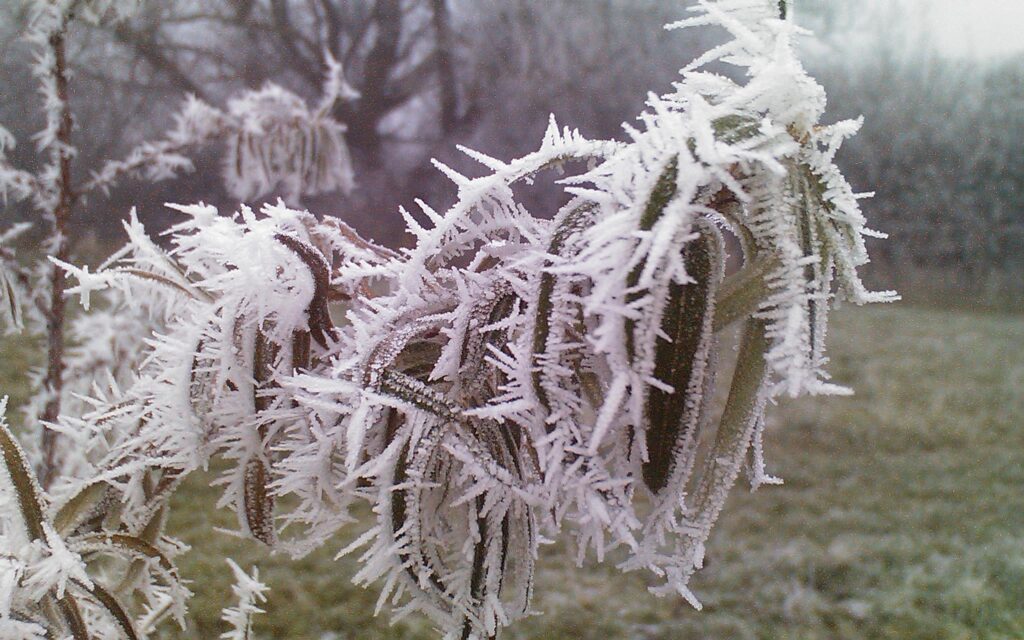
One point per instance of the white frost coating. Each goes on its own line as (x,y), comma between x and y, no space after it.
(14,183)
(53,568)
(250,593)
(507,378)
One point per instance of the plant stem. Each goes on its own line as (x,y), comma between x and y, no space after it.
(742,292)
(54,381)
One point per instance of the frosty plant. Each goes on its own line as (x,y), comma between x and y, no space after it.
(274,142)
(507,377)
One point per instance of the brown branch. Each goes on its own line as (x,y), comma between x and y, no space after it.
(54,380)
(288,35)
(146,47)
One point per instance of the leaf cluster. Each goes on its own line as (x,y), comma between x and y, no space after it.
(508,377)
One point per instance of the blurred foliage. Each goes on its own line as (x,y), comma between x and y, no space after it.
(941,142)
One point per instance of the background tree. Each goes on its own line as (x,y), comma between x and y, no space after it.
(419,104)
(273,142)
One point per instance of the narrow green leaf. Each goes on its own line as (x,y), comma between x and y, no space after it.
(11,298)
(405,506)
(574,220)
(76,510)
(743,408)
(661,195)
(106,600)
(150,533)
(392,425)
(479,379)
(478,572)
(30,497)
(682,360)
(735,128)
(300,350)
(320,324)
(127,544)
(72,615)
(418,359)
(264,354)
(742,293)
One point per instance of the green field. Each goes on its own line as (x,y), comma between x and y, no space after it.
(902,516)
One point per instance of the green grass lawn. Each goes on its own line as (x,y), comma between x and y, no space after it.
(902,516)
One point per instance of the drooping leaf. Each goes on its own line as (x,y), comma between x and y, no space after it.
(682,360)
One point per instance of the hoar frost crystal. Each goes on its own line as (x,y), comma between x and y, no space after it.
(507,377)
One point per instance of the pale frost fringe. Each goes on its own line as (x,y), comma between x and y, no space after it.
(250,593)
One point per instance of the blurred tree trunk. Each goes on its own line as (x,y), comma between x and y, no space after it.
(378,97)
(447,84)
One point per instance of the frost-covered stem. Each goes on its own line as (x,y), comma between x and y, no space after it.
(743,292)
(250,592)
(503,373)
(115,171)
(53,383)
(359,241)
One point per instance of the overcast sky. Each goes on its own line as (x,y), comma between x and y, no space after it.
(977,28)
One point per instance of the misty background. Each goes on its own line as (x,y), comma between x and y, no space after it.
(941,90)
